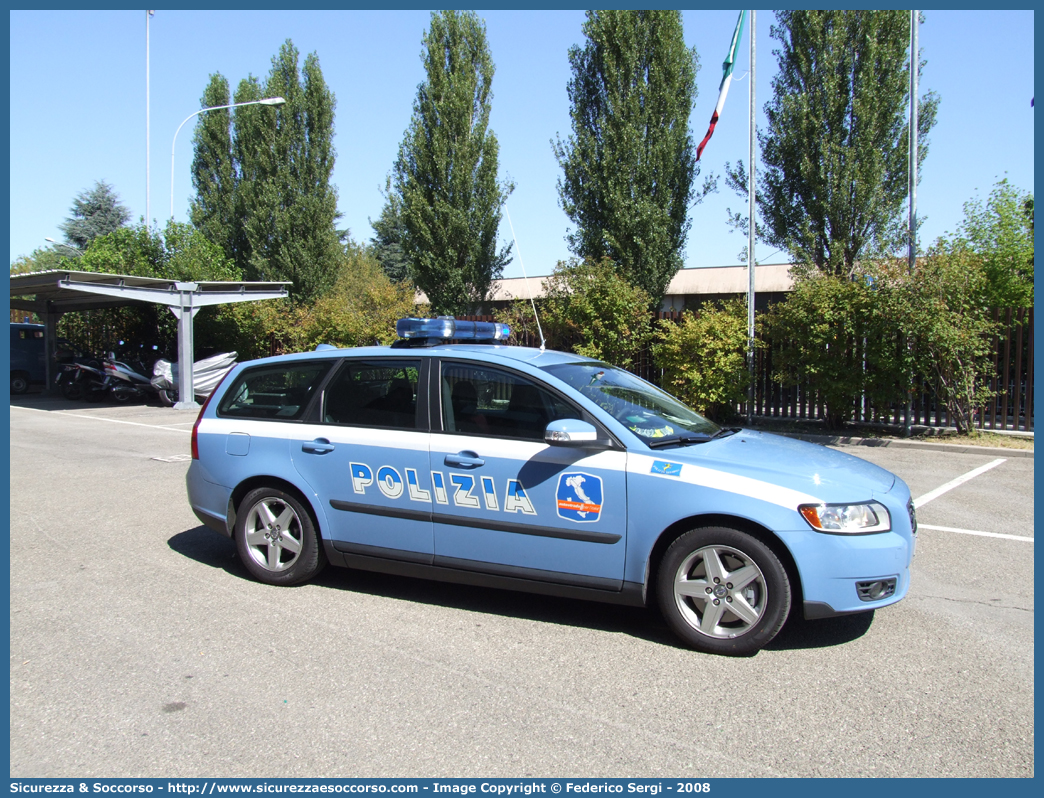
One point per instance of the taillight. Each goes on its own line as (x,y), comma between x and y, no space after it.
(202,410)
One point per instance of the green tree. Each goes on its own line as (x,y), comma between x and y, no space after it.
(41,260)
(94,212)
(704,360)
(629,163)
(834,160)
(180,252)
(263,189)
(387,239)
(214,173)
(360,310)
(445,177)
(1000,232)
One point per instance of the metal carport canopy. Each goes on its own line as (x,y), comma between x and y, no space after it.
(52,293)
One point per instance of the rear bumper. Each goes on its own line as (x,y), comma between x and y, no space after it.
(217,524)
(208,501)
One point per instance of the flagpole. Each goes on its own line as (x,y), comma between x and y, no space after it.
(914,58)
(912,262)
(147,208)
(750,233)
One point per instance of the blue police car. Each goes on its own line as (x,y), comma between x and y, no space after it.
(451,456)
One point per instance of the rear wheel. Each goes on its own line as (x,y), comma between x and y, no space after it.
(167,397)
(121,393)
(19,382)
(276,538)
(723,591)
(72,389)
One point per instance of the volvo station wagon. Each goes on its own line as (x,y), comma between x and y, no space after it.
(452,456)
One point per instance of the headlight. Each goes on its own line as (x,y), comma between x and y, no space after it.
(847,519)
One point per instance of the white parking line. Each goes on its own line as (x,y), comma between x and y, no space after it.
(953,483)
(979,534)
(64,414)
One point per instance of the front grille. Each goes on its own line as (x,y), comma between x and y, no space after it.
(876,589)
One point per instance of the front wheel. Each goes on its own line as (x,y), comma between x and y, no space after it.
(723,591)
(276,538)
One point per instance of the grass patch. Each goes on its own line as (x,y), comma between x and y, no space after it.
(925,435)
(981,439)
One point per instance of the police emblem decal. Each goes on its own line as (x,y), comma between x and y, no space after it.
(579,497)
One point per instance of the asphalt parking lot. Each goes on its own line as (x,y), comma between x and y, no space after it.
(140,647)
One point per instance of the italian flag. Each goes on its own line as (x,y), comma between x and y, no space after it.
(723,89)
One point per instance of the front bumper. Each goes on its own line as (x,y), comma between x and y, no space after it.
(834,568)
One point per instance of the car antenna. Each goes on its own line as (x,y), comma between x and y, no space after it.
(529,290)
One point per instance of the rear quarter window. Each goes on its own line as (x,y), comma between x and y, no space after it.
(374,394)
(278,392)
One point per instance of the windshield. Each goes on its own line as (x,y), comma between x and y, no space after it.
(645,410)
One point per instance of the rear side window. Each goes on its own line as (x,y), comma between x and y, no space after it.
(374,394)
(279,392)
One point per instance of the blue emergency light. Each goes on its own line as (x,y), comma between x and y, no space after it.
(447,328)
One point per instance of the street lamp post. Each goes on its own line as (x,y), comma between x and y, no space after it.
(266,101)
(76,253)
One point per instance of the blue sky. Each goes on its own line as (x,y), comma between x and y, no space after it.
(78,109)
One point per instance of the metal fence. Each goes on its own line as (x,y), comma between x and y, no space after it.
(1011,383)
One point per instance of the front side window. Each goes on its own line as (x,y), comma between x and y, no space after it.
(648,412)
(277,392)
(477,400)
(374,394)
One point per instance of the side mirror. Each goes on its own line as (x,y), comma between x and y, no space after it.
(570,432)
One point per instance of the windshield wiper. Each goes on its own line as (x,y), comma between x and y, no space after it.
(692,438)
(725,432)
(681,440)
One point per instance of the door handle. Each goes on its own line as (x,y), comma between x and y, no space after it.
(464,460)
(318,446)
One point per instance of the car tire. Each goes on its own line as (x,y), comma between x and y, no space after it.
(19,382)
(277,539)
(723,591)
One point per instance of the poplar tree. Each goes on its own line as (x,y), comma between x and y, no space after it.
(833,174)
(213,211)
(445,177)
(629,163)
(262,176)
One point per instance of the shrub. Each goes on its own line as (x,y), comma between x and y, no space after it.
(831,335)
(590,309)
(704,358)
(943,309)
(360,310)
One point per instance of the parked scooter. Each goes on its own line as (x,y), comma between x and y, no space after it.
(206,374)
(82,381)
(127,379)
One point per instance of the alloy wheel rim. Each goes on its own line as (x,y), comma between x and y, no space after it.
(273,535)
(720,592)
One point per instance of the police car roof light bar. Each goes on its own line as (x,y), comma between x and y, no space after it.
(447,328)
